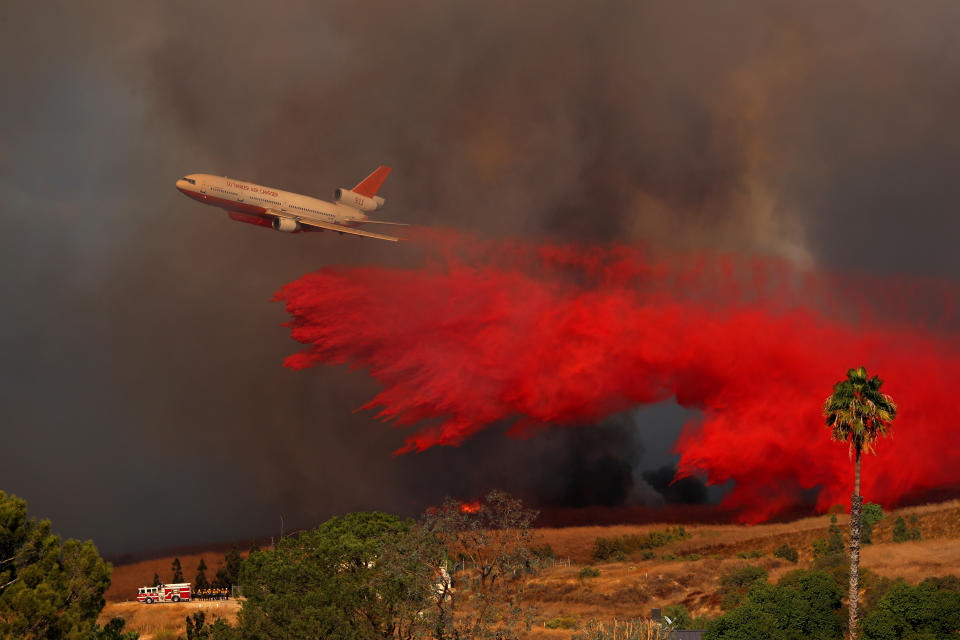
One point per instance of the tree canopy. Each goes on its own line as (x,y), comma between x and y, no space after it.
(857,411)
(49,589)
(803,605)
(336,582)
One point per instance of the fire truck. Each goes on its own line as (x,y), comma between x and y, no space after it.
(164,593)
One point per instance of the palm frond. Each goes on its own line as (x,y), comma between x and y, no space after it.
(857,411)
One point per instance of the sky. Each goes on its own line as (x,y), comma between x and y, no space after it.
(142,399)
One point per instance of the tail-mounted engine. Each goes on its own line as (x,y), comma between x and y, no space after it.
(357,201)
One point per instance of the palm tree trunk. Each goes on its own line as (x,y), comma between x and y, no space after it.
(856,507)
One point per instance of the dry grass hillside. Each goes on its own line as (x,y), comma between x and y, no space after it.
(629,589)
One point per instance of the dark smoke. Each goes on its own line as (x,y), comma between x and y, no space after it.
(684,490)
(821,132)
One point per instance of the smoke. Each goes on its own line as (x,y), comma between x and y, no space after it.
(820,132)
(545,335)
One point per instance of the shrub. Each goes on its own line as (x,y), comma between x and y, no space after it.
(735,585)
(787,552)
(830,554)
(588,572)
(543,552)
(561,623)
(753,553)
(618,548)
(609,549)
(803,605)
(924,611)
(872,513)
(681,618)
(900,530)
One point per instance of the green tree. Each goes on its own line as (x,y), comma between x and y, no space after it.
(365,575)
(177,571)
(49,589)
(113,630)
(156,579)
(900,530)
(872,515)
(929,610)
(201,582)
(803,605)
(859,413)
(734,585)
(229,574)
(829,554)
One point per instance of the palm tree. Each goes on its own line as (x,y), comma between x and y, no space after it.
(858,413)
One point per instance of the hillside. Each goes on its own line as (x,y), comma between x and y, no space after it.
(631,588)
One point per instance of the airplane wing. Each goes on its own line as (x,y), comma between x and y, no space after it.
(397,224)
(339,228)
(342,229)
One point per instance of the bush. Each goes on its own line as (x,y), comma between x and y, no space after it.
(561,623)
(735,585)
(924,611)
(589,572)
(900,530)
(803,605)
(618,548)
(609,549)
(543,552)
(753,553)
(681,618)
(872,513)
(830,554)
(787,552)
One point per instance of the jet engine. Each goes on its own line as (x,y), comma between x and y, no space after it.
(286,225)
(357,201)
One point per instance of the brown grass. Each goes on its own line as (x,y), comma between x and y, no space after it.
(628,590)
(149,619)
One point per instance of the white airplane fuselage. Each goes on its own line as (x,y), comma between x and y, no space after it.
(252,203)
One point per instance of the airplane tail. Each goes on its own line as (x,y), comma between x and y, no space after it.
(372,183)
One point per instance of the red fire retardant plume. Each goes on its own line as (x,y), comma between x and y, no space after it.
(549,336)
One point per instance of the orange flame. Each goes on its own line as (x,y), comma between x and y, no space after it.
(469,507)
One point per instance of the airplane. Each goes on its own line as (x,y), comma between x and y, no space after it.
(291,212)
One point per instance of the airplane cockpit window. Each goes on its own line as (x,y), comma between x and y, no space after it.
(190,180)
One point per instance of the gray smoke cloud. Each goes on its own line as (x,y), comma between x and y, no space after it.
(143,401)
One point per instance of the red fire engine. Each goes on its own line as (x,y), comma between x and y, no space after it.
(164,593)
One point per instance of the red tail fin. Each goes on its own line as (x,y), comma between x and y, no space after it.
(372,182)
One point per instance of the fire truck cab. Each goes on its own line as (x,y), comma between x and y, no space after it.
(164,593)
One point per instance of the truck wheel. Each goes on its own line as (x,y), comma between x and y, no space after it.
(176,598)
(149,600)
